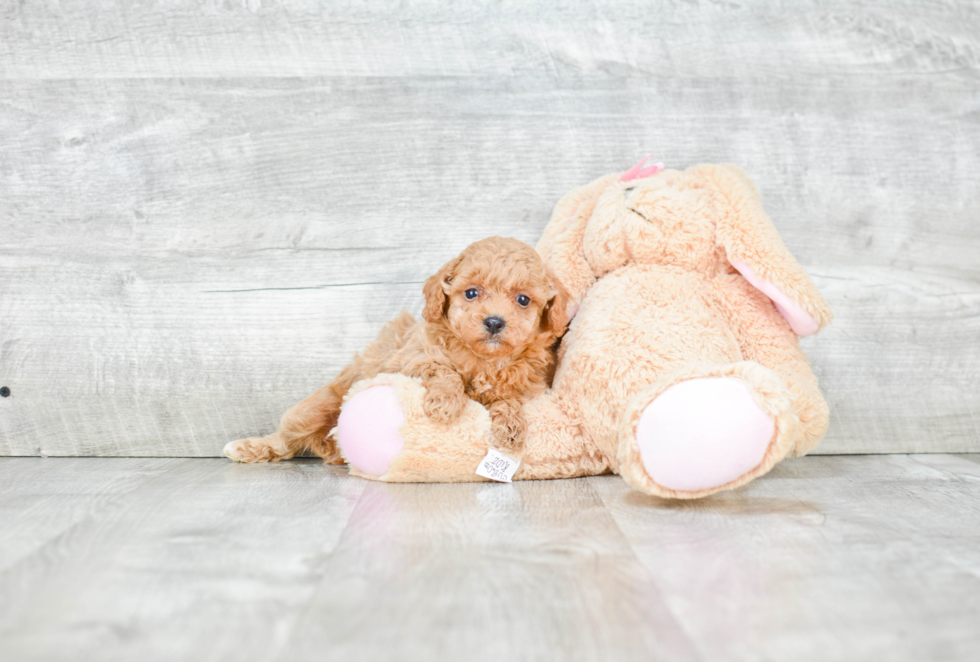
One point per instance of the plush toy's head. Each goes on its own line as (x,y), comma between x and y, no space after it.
(707,219)
(654,220)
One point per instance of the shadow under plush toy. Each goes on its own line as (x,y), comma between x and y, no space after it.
(681,370)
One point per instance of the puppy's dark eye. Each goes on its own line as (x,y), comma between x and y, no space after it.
(471,293)
(523,300)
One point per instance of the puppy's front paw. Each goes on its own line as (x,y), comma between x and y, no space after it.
(253,449)
(442,405)
(508,439)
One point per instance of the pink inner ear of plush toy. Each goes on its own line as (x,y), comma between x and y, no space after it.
(368,429)
(799,320)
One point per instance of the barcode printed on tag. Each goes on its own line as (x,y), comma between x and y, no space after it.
(497,466)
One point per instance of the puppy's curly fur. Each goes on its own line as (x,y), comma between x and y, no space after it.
(490,322)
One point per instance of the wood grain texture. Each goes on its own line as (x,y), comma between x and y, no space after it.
(206,209)
(900,365)
(299,38)
(842,558)
(825,558)
(40,502)
(525,571)
(210,561)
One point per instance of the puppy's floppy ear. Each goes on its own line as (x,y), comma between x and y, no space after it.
(554,317)
(435,288)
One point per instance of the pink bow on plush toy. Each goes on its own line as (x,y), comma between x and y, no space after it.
(639,172)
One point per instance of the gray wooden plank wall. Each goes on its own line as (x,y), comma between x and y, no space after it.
(206,208)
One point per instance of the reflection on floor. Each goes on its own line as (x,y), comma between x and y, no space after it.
(846,557)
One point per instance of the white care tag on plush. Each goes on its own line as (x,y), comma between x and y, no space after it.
(497,466)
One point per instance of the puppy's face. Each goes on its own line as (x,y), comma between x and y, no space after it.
(497,297)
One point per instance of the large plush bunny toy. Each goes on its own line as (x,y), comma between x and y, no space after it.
(681,370)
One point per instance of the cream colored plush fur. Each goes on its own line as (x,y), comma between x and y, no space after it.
(648,265)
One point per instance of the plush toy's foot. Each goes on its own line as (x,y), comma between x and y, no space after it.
(702,433)
(710,433)
(385,434)
(368,430)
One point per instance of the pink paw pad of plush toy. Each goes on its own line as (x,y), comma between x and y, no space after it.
(368,430)
(702,433)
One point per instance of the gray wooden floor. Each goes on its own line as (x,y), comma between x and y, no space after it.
(826,558)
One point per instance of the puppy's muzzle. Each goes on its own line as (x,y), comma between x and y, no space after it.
(494,324)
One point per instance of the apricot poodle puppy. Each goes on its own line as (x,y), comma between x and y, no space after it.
(492,316)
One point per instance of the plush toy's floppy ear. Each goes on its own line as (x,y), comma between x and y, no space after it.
(754,248)
(555,316)
(435,290)
(561,243)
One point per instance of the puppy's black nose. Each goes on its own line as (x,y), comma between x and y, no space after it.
(494,324)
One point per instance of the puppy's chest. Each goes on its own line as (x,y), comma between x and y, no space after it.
(481,386)
(499,384)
